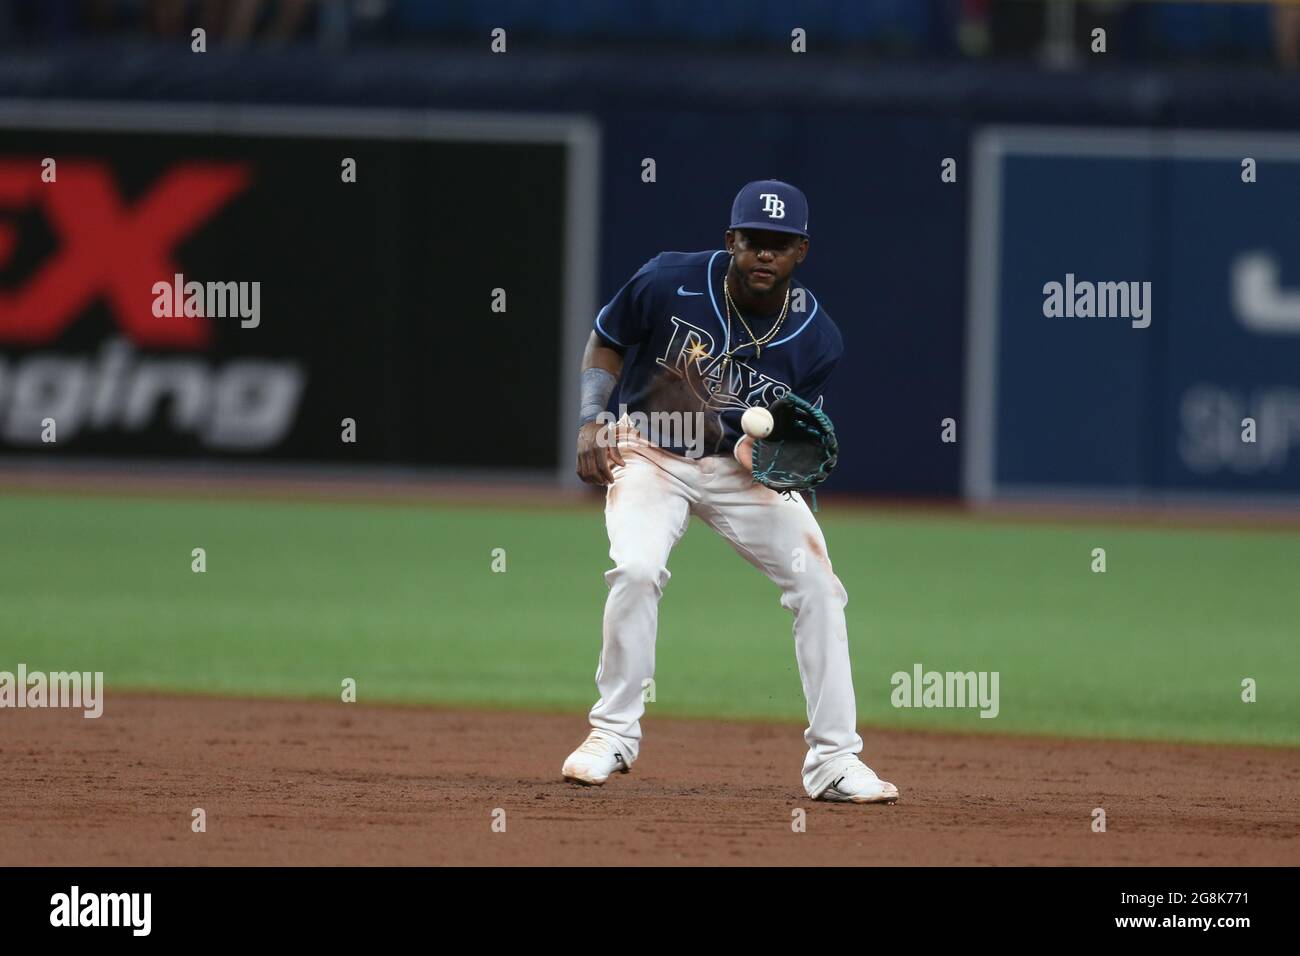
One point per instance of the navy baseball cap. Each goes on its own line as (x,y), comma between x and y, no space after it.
(770,204)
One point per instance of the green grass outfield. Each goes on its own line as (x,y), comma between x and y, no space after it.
(403,598)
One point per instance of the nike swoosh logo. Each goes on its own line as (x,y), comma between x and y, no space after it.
(681,290)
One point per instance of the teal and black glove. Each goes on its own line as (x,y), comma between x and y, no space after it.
(801,451)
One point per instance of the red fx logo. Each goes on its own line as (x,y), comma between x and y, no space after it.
(108,248)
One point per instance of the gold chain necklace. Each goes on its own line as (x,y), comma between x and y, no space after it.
(753,339)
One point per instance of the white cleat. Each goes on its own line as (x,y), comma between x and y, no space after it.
(594,761)
(855,782)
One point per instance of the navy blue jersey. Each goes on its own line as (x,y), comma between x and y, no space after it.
(674,313)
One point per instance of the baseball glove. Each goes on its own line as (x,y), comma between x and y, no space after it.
(801,451)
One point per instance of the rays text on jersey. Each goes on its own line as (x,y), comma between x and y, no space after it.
(692,353)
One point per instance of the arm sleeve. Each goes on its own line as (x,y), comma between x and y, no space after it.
(625,320)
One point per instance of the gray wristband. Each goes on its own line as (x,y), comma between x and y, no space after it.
(597,386)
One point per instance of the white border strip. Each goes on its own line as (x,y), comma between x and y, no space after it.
(979,458)
(581,242)
(579,134)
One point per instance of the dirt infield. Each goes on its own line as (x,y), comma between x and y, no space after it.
(285,782)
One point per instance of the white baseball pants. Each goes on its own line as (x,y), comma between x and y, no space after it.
(647,509)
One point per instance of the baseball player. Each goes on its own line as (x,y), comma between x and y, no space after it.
(728,329)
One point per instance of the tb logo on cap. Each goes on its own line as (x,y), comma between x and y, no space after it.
(773,205)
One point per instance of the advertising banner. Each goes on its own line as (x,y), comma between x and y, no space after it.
(318,286)
(1134,316)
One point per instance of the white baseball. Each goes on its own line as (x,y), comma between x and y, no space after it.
(757,422)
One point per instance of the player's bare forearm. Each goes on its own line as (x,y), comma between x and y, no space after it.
(600,355)
(597,450)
